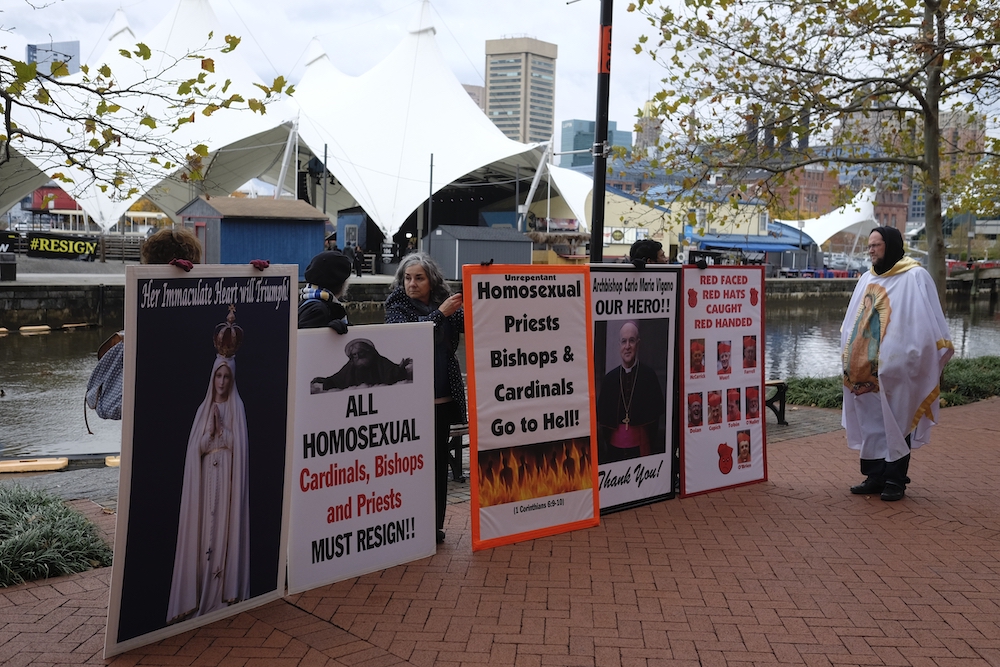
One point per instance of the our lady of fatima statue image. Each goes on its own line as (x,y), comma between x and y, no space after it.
(212,561)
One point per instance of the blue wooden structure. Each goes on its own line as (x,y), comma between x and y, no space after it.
(235,230)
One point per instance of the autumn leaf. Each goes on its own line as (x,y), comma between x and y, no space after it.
(231,43)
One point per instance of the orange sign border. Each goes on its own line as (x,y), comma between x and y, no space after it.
(469,271)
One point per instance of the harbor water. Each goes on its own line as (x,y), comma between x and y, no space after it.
(44,377)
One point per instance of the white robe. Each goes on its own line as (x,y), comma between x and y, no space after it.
(911,347)
(212,560)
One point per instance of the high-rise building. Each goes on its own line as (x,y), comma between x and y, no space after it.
(579,134)
(649,127)
(521,87)
(46,54)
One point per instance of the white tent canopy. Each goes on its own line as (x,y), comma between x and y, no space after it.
(383,127)
(185,30)
(856,217)
(379,129)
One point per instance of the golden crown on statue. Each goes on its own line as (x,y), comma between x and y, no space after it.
(228,335)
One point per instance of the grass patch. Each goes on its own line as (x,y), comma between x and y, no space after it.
(41,537)
(964,381)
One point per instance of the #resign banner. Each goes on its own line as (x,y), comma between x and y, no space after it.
(531,402)
(723,441)
(363,458)
(635,323)
(203,497)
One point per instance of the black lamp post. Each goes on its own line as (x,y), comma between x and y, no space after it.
(600,149)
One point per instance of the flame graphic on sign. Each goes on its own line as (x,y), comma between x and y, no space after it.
(534,471)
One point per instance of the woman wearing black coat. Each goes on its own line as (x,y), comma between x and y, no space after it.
(420,294)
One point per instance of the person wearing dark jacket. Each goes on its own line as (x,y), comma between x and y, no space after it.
(420,294)
(326,278)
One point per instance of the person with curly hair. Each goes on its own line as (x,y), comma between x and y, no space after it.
(169,244)
(420,294)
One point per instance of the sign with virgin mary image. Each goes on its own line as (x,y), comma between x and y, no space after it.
(203,502)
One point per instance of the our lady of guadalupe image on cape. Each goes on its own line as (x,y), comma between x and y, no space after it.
(212,559)
(862,349)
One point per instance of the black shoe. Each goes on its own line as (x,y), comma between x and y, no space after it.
(440,536)
(870,486)
(893,491)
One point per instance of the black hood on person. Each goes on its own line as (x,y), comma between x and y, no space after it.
(329,270)
(893,249)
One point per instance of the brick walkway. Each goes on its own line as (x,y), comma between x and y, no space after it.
(793,571)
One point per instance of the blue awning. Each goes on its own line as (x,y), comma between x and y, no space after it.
(749,246)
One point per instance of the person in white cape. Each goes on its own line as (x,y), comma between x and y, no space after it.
(895,344)
(212,559)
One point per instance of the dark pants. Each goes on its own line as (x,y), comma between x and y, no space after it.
(890,471)
(445,414)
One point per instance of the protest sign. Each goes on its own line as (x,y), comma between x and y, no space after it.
(723,441)
(202,505)
(635,322)
(531,421)
(363,458)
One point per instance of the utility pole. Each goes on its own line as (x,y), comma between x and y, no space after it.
(600,149)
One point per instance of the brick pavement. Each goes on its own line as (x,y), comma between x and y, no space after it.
(792,571)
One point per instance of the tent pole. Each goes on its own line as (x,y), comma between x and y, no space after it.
(548,201)
(285,159)
(326,177)
(430,208)
(517,195)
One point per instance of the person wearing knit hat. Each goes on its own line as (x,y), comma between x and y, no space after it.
(891,373)
(743,446)
(725,355)
(694,409)
(753,403)
(698,355)
(733,405)
(326,282)
(749,352)
(715,407)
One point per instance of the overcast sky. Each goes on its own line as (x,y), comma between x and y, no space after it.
(359,33)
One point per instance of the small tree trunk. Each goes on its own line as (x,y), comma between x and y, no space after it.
(933,30)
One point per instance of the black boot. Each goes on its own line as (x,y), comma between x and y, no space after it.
(895,477)
(874,471)
(870,486)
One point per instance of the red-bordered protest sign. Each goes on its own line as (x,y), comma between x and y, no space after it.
(723,440)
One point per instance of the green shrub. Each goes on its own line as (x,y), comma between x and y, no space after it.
(818,392)
(41,537)
(973,379)
(964,381)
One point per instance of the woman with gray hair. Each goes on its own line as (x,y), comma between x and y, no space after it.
(420,294)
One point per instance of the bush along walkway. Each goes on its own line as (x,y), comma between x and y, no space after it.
(964,381)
